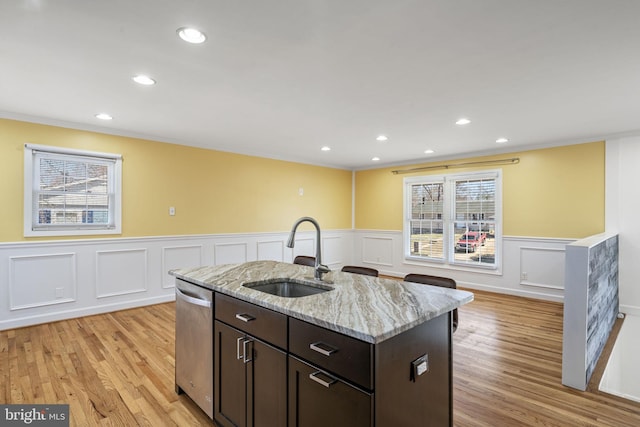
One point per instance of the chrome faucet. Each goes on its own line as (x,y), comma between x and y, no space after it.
(320,269)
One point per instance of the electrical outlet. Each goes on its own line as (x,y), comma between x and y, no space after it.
(59,292)
(172,211)
(524,275)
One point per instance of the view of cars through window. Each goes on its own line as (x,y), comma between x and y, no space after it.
(453,219)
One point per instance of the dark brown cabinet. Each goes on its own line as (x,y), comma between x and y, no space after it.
(319,399)
(402,381)
(230,384)
(250,380)
(273,370)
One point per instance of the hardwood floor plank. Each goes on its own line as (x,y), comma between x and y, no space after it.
(117,369)
(508,369)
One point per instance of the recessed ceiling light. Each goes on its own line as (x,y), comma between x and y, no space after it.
(429,151)
(143,80)
(382,138)
(191,35)
(104,116)
(463,121)
(376,159)
(502,140)
(325,148)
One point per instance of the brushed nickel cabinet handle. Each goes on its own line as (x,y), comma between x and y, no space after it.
(238,355)
(244,351)
(323,348)
(245,317)
(325,382)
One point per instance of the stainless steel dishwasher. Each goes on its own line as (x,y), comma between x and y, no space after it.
(194,344)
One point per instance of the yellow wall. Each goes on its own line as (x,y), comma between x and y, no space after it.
(553,192)
(212,191)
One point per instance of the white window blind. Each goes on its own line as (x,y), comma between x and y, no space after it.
(71,192)
(427,215)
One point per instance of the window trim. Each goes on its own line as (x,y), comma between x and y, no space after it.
(79,230)
(448,258)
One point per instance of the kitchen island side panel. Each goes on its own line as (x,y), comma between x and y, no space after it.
(403,395)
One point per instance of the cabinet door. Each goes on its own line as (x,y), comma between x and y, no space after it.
(317,399)
(229,377)
(266,386)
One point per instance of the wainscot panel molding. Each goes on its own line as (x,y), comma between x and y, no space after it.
(551,276)
(230,253)
(40,280)
(378,250)
(531,266)
(45,281)
(271,250)
(121,272)
(334,252)
(179,257)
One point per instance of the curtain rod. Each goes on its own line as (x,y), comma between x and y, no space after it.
(511,161)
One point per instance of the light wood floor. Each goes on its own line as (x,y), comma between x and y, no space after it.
(118,369)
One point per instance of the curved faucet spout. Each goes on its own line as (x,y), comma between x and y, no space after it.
(320,269)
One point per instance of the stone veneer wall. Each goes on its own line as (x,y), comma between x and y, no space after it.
(590,305)
(602,299)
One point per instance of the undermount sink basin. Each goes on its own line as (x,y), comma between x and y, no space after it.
(288,288)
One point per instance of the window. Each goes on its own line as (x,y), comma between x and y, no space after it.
(71,192)
(453,219)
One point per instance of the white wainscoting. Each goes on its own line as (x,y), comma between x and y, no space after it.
(229,253)
(531,267)
(271,250)
(378,250)
(174,257)
(532,258)
(48,281)
(121,272)
(39,280)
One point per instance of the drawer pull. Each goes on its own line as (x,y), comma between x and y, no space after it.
(325,382)
(322,348)
(245,317)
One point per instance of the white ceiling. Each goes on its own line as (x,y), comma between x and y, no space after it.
(282,78)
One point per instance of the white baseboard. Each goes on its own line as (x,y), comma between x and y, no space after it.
(630,309)
(515,292)
(89,311)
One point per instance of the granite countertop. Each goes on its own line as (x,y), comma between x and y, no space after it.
(369,308)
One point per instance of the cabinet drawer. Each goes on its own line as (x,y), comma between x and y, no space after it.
(258,321)
(347,357)
(316,399)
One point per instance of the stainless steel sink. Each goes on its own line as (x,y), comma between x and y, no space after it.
(288,288)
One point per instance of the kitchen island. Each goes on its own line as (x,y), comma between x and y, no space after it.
(367,351)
